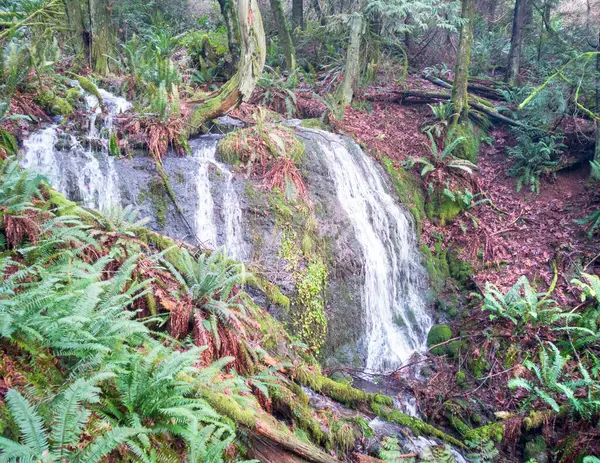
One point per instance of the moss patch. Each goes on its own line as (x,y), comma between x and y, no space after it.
(409,190)
(438,334)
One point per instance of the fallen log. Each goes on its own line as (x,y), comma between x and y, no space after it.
(422,96)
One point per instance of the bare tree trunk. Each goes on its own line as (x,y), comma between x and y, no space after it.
(103,35)
(460,95)
(345,92)
(298,14)
(284,35)
(250,66)
(514,56)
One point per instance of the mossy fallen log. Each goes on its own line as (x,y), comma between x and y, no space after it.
(260,424)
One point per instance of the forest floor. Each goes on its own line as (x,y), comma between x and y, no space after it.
(512,234)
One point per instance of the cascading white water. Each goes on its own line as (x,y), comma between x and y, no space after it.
(229,209)
(394,279)
(85,175)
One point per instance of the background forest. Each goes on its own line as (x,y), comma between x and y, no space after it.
(119,343)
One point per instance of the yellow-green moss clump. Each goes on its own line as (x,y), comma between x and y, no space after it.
(438,334)
(54,104)
(417,426)
(409,190)
(314,124)
(442,209)
(469,148)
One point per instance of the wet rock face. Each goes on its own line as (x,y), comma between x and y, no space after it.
(344,298)
(211,193)
(335,240)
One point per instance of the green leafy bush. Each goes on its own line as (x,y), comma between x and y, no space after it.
(533,158)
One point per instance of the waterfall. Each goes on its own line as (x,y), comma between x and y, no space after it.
(394,279)
(80,173)
(227,214)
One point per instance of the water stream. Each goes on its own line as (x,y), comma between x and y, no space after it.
(394,284)
(83,173)
(395,281)
(228,212)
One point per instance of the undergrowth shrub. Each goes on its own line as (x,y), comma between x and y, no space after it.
(534,157)
(268,151)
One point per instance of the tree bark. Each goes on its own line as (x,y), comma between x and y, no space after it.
(597,122)
(298,14)
(514,55)
(250,66)
(103,35)
(460,95)
(345,92)
(79,35)
(319,11)
(233,31)
(284,35)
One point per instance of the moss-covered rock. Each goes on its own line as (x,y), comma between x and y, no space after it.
(460,269)
(438,334)
(409,189)
(54,104)
(315,124)
(536,450)
(443,210)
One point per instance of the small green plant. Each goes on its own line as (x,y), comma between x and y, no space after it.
(58,438)
(442,171)
(555,386)
(533,158)
(521,304)
(442,115)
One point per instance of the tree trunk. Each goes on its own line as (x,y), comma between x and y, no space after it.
(233,32)
(460,95)
(514,55)
(250,66)
(284,34)
(298,14)
(319,11)
(103,36)
(597,122)
(79,35)
(345,92)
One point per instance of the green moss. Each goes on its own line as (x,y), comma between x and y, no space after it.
(87,85)
(455,347)
(271,291)
(72,96)
(227,406)
(478,366)
(443,210)
(436,267)
(417,426)
(469,148)
(158,195)
(409,190)
(438,334)
(342,436)
(460,269)
(536,450)
(350,396)
(511,356)
(53,104)
(315,124)
(461,379)
(492,432)
(113,145)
